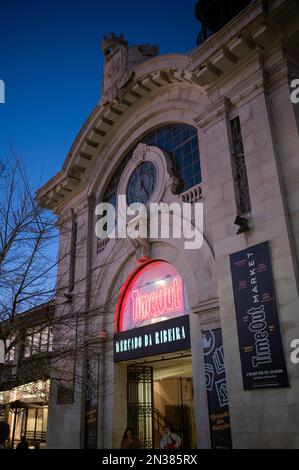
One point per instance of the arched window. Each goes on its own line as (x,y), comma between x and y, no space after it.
(180,141)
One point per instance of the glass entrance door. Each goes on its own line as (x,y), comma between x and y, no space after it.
(174,400)
(140,403)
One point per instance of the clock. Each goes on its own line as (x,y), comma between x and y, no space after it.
(142,183)
(147,176)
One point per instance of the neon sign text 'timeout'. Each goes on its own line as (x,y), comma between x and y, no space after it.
(162,300)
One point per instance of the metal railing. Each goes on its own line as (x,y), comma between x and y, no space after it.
(159,422)
(36,436)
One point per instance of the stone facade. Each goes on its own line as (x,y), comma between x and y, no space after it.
(243,70)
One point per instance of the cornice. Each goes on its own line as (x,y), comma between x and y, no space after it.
(206,305)
(217,59)
(93,135)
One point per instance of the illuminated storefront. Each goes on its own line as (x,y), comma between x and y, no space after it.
(152,321)
(25,408)
(152,313)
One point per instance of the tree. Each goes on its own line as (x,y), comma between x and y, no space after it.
(27,258)
(28,269)
(26,234)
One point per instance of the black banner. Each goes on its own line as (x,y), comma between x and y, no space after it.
(150,340)
(216,390)
(261,349)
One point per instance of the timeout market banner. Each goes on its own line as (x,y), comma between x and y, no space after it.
(261,349)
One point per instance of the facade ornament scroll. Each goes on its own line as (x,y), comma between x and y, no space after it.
(120,61)
(139,153)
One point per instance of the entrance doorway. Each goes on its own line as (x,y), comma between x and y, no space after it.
(161,393)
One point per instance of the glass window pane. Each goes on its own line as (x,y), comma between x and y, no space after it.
(36,342)
(28,343)
(10,355)
(50,347)
(39,420)
(44,339)
(45,420)
(31,420)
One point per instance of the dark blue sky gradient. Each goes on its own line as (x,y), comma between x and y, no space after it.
(51,63)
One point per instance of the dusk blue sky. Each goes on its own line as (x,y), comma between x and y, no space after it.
(51,62)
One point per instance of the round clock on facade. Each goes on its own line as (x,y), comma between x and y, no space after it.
(147,176)
(142,183)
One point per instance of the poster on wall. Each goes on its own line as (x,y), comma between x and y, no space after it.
(216,390)
(260,343)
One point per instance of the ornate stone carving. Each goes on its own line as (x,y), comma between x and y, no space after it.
(114,71)
(120,62)
(142,248)
(111,42)
(126,78)
(109,94)
(148,50)
(139,153)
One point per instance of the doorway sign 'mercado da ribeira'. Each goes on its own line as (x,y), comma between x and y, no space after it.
(152,314)
(261,349)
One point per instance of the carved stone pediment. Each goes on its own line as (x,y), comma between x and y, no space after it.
(114,71)
(120,62)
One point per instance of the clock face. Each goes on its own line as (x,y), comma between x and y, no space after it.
(142,183)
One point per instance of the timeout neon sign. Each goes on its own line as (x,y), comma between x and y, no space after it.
(154,293)
(163,300)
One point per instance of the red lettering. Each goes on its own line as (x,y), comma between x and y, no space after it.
(153,307)
(163,300)
(177,297)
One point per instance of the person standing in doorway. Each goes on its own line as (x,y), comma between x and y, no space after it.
(169,439)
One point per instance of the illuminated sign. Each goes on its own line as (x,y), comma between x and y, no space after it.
(150,340)
(154,293)
(162,300)
(152,314)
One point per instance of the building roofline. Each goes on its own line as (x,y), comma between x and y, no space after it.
(252,29)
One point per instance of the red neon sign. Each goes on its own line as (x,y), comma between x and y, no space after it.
(163,299)
(154,293)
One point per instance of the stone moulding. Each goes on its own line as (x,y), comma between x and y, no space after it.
(96,131)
